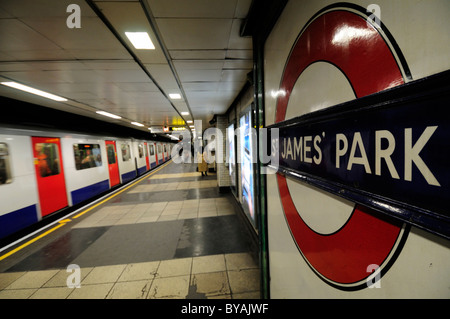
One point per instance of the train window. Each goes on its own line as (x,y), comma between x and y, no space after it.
(47,159)
(141,151)
(5,169)
(111,154)
(159,148)
(152,149)
(165,150)
(87,155)
(126,152)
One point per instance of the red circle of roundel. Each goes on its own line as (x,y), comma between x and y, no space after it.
(350,43)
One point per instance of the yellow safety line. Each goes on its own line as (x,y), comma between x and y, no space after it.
(63,222)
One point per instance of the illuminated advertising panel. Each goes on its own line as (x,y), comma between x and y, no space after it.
(246,144)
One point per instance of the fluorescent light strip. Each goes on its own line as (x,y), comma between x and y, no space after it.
(109,114)
(140,40)
(137,124)
(175,96)
(34,91)
(184,113)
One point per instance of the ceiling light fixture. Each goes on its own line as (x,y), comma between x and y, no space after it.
(140,40)
(34,91)
(184,113)
(175,96)
(137,124)
(109,114)
(189,121)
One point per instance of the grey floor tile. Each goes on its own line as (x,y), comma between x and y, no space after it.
(8,278)
(33,279)
(206,264)
(246,280)
(208,285)
(247,295)
(17,293)
(61,277)
(169,288)
(52,293)
(240,261)
(96,291)
(139,271)
(130,289)
(103,274)
(175,267)
(140,242)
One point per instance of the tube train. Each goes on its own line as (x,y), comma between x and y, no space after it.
(42,173)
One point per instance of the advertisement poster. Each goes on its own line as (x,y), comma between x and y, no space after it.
(246,165)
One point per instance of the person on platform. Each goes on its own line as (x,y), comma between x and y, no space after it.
(202,164)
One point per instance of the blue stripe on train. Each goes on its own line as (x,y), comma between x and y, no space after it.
(142,170)
(87,192)
(128,176)
(17,220)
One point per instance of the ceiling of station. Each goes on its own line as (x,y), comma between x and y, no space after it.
(198,54)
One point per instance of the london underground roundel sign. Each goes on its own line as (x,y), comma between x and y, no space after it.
(344,38)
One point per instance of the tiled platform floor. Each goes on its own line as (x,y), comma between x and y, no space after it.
(222,276)
(173,235)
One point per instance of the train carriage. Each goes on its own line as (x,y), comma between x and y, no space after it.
(44,172)
(18,187)
(86,167)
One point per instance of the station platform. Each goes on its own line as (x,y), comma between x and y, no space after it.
(168,235)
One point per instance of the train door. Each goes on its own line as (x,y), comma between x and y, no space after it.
(49,174)
(166,154)
(151,148)
(157,155)
(113,164)
(161,153)
(147,160)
